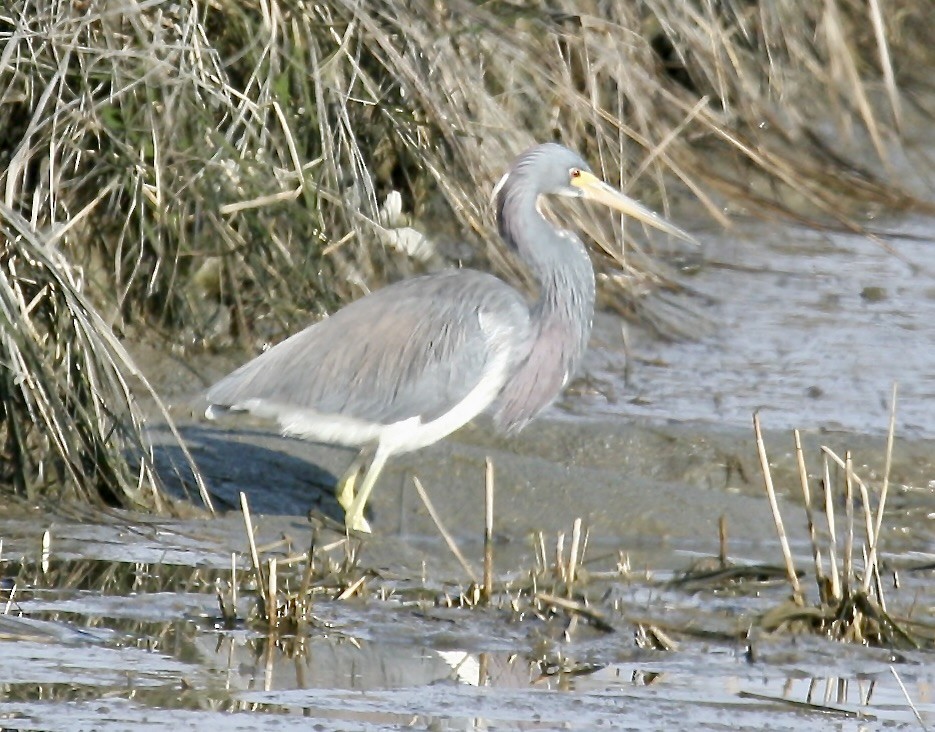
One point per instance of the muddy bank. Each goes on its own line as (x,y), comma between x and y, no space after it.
(123,630)
(810,328)
(641,483)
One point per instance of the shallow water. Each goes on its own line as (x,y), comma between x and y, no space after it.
(107,645)
(122,629)
(812,329)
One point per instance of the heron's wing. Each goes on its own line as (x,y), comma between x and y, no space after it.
(413,349)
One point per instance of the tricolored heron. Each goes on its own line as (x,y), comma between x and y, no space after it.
(407,365)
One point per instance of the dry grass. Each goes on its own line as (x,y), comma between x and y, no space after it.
(286,583)
(266,135)
(217,170)
(850,603)
(844,517)
(71,428)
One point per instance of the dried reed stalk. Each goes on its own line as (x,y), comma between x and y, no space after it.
(777,516)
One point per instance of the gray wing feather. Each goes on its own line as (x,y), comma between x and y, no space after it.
(415,348)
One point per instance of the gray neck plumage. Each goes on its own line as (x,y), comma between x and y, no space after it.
(561,266)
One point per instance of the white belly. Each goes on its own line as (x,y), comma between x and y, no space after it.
(396,437)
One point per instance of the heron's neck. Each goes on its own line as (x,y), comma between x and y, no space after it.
(561,265)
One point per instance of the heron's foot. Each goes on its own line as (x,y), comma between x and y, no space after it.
(357,522)
(344,491)
(356,502)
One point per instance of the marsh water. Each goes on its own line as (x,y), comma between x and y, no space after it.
(115,624)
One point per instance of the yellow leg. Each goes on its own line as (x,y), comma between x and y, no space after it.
(344,490)
(354,516)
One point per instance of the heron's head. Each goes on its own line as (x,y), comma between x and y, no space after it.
(547,169)
(553,169)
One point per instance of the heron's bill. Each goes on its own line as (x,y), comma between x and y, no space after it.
(594,189)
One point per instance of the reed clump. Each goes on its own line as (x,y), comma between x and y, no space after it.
(849,603)
(69,426)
